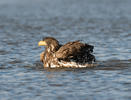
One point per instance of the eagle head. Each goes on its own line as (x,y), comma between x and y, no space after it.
(51,44)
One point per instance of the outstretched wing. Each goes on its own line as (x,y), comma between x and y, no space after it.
(72,49)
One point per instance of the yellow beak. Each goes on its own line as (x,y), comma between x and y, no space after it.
(42,43)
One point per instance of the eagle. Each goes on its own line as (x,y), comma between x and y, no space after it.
(70,55)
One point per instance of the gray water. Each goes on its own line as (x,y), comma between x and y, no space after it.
(106,24)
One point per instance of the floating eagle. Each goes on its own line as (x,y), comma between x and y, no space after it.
(72,54)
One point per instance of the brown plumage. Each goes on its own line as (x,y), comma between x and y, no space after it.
(73,54)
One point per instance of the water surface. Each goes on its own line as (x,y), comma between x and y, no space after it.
(104,24)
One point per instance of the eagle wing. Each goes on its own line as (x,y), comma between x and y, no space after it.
(71,49)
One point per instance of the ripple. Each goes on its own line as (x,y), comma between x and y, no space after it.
(3,52)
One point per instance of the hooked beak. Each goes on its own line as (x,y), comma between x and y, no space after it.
(42,43)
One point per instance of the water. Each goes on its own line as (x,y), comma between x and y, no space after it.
(104,24)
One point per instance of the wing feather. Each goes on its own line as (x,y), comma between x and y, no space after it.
(72,49)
